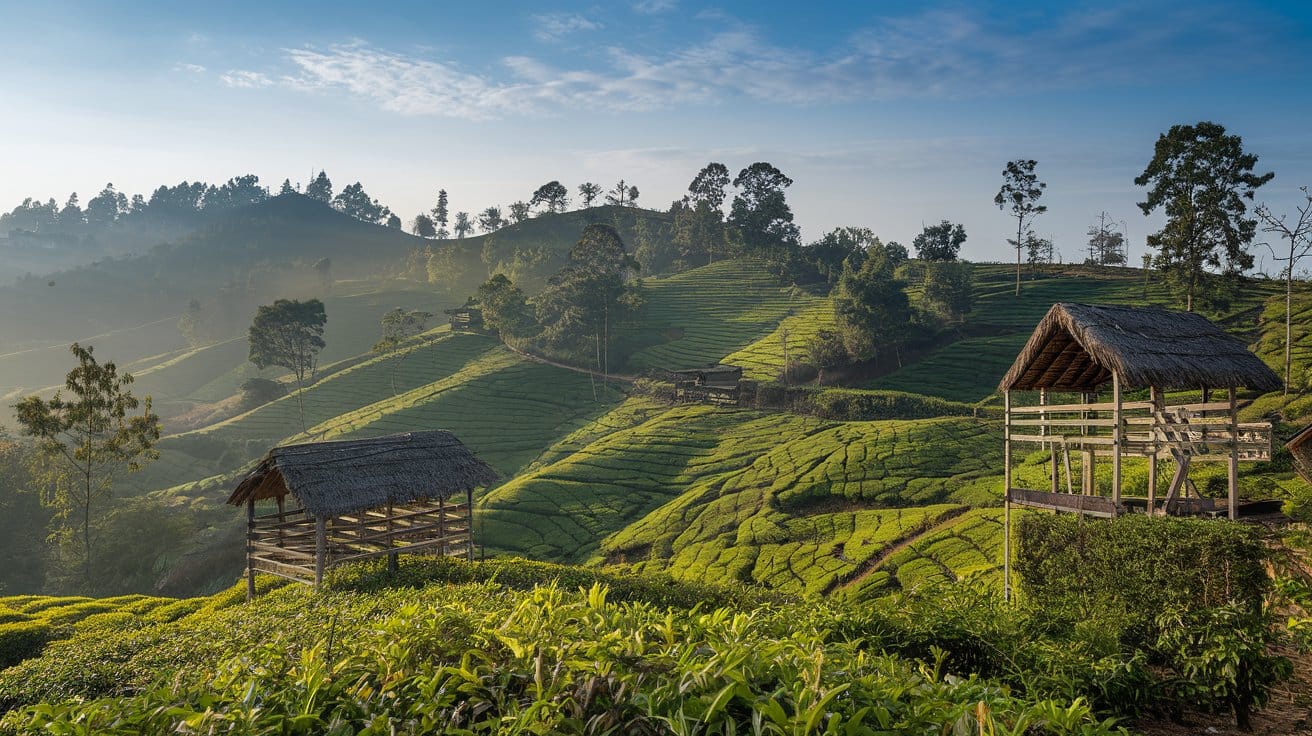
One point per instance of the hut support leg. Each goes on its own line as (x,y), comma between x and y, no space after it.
(469,524)
(1118,434)
(1086,456)
(441,526)
(1233,479)
(250,550)
(320,550)
(1052,445)
(1159,409)
(1177,482)
(1006,500)
(392,563)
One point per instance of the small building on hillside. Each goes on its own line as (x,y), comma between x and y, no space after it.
(466,319)
(713,384)
(1094,380)
(1300,447)
(356,500)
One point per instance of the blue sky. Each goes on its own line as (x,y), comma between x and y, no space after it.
(887,115)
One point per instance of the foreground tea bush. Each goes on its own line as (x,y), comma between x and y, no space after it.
(482,658)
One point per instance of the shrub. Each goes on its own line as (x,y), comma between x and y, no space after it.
(20,640)
(258,391)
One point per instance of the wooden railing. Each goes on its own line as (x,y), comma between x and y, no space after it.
(1202,430)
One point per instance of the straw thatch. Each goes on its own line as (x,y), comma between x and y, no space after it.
(334,478)
(1300,447)
(1076,347)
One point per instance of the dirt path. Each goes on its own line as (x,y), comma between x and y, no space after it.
(576,369)
(873,564)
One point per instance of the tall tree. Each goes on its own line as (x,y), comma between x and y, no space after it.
(1200,177)
(1298,233)
(519,211)
(941,242)
(490,221)
(289,334)
(440,214)
(423,226)
(760,210)
(709,186)
(87,440)
(399,325)
(553,196)
(321,188)
(286,188)
(463,225)
(589,192)
(871,307)
(1039,252)
(354,201)
(840,246)
(949,289)
(1020,191)
(619,196)
(505,309)
(1106,243)
(393,221)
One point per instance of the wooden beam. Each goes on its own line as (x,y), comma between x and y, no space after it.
(1232,476)
(1118,434)
(1006,496)
(320,550)
(250,531)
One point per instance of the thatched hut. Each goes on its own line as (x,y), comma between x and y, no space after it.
(1083,351)
(1300,447)
(359,499)
(466,319)
(712,384)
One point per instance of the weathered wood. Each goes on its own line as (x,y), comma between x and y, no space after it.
(1006,495)
(1232,476)
(266,548)
(250,569)
(1106,406)
(1118,438)
(1090,505)
(442,542)
(320,551)
(1072,439)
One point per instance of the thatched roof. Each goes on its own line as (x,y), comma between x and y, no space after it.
(333,478)
(1076,347)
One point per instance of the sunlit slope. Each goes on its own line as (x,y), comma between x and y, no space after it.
(764,360)
(701,316)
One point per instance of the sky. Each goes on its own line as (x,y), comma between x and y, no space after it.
(886,115)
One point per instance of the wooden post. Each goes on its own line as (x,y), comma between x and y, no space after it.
(280,520)
(441,525)
(320,550)
(469,524)
(1118,434)
(1158,408)
(250,550)
(1086,456)
(1052,446)
(1234,457)
(392,563)
(1006,499)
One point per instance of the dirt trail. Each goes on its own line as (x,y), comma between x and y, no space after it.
(576,369)
(911,537)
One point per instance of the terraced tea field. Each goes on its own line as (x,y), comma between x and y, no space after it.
(764,360)
(967,370)
(700,316)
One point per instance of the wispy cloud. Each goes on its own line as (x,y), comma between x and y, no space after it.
(553,26)
(193,68)
(245,79)
(935,54)
(654,7)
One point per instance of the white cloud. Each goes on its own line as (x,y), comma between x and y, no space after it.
(654,7)
(553,26)
(193,68)
(245,79)
(935,54)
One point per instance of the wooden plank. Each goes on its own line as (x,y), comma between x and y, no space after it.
(264,547)
(1064,422)
(267,565)
(454,539)
(1106,406)
(1075,440)
(1091,505)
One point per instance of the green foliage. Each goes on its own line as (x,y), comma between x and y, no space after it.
(505,310)
(760,212)
(260,391)
(871,307)
(480,658)
(948,291)
(939,242)
(288,334)
(20,640)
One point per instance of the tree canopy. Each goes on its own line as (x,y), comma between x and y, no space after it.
(941,242)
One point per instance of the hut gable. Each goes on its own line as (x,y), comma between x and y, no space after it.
(1300,447)
(334,478)
(1077,347)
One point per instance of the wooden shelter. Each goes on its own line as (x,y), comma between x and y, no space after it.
(357,500)
(466,319)
(1067,392)
(713,384)
(1300,447)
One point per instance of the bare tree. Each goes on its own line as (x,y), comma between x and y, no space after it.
(1299,236)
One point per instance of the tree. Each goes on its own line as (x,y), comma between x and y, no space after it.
(489,220)
(393,221)
(1039,251)
(826,351)
(1106,244)
(949,289)
(286,188)
(463,224)
(871,307)
(709,186)
(71,213)
(355,202)
(1298,234)
(760,211)
(553,196)
(400,325)
(1020,191)
(505,309)
(1200,176)
(22,553)
(423,226)
(519,212)
(323,268)
(321,188)
(941,242)
(589,192)
(619,196)
(440,214)
(190,324)
(839,247)
(87,441)
(106,207)
(289,334)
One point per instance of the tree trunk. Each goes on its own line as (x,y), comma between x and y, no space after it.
(1020,225)
(1289,301)
(86,532)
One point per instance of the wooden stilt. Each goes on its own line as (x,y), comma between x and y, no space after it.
(392,563)
(1006,500)
(1052,446)
(1159,408)
(320,550)
(469,524)
(250,550)
(1233,476)
(1118,435)
(441,525)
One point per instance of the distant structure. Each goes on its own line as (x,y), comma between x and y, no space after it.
(358,500)
(1081,350)
(466,319)
(714,384)
(1301,448)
